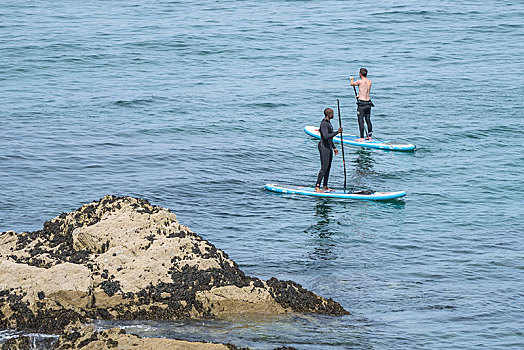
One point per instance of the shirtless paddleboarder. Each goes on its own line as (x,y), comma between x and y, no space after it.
(364,103)
(326,148)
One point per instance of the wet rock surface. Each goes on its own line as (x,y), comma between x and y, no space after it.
(87,338)
(123,258)
(19,343)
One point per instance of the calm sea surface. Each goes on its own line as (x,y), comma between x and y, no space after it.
(196,105)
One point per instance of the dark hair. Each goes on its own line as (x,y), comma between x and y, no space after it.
(364,72)
(328,111)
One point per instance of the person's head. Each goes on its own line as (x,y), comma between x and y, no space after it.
(328,113)
(363,72)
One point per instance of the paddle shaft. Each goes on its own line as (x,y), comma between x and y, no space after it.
(356,96)
(342,144)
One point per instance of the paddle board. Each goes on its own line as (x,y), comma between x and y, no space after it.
(373,143)
(310,191)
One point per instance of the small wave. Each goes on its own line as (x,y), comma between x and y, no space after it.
(510,25)
(439,307)
(136,102)
(400,12)
(8,334)
(267,104)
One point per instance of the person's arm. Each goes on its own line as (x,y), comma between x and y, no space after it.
(326,135)
(333,146)
(352,81)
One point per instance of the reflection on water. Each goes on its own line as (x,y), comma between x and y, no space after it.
(361,168)
(322,214)
(398,203)
(321,228)
(321,231)
(364,163)
(334,219)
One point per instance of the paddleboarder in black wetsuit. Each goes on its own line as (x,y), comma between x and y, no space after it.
(326,148)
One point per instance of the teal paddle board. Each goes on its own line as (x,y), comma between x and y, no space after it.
(310,191)
(373,143)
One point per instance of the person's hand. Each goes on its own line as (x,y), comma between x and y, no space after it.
(351,78)
(336,151)
(340,130)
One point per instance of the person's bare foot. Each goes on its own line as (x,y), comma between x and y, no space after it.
(317,189)
(327,189)
(368,138)
(359,140)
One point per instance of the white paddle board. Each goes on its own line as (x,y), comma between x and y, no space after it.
(310,191)
(373,143)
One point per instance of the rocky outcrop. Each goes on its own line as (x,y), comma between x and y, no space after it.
(123,258)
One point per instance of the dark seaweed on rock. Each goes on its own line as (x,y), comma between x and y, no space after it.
(180,296)
(58,232)
(3,320)
(234,347)
(110,287)
(41,320)
(92,213)
(293,295)
(77,339)
(58,248)
(19,343)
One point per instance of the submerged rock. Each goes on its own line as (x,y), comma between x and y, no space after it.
(89,339)
(123,258)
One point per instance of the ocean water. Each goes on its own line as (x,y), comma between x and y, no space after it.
(196,105)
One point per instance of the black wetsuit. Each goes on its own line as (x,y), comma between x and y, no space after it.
(325,147)
(364,111)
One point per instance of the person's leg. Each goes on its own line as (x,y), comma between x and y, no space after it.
(323,165)
(360,115)
(326,174)
(367,115)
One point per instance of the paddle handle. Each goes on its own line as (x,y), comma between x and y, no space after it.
(342,144)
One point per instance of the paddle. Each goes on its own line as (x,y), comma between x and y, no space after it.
(342,144)
(356,96)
